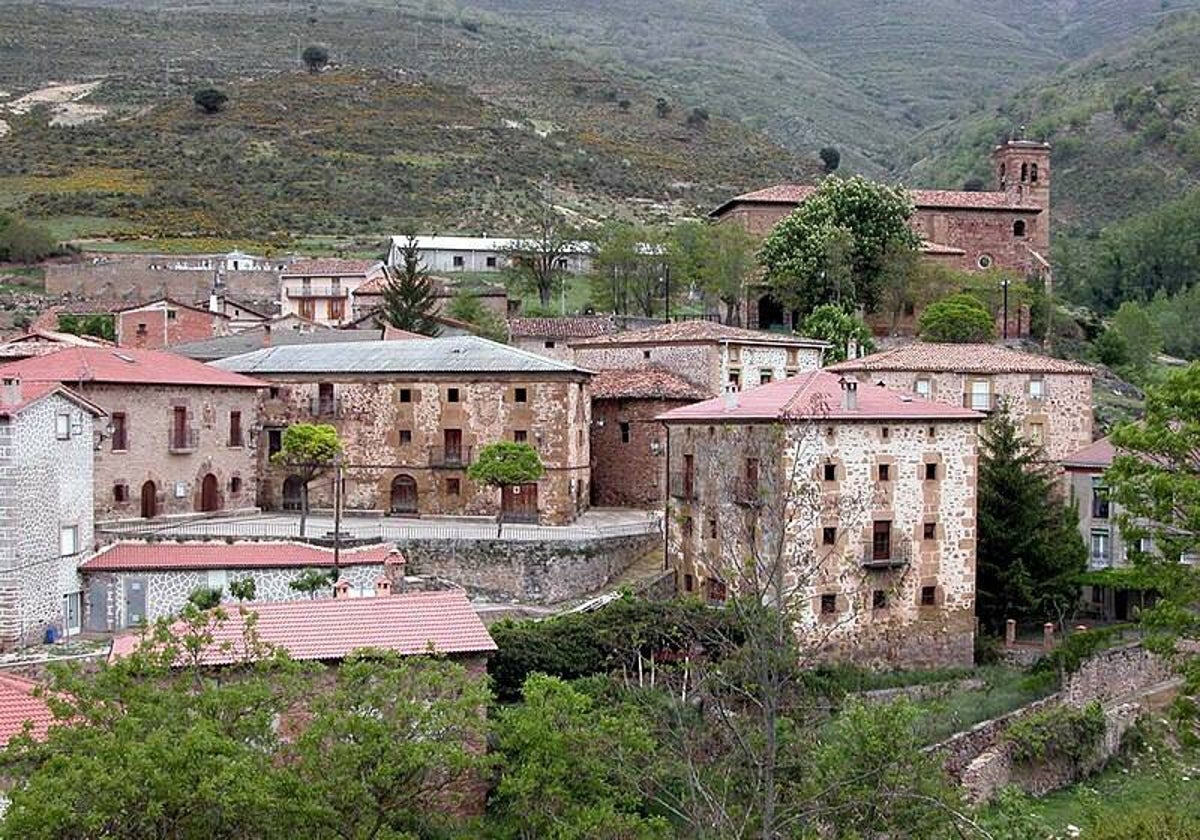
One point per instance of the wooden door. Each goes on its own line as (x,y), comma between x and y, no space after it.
(209,498)
(404,495)
(520,503)
(149,500)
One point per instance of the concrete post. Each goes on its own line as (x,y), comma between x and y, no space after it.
(1010,632)
(1048,635)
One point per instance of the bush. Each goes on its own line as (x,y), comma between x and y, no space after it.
(1077,648)
(1058,732)
(210,100)
(22,241)
(957,319)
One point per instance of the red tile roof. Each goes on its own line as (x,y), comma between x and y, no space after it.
(960,358)
(644,383)
(165,556)
(331,267)
(696,331)
(814,395)
(32,392)
(952,199)
(580,327)
(18,706)
(410,623)
(125,366)
(1097,456)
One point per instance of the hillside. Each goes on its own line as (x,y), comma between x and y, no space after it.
(1125,124)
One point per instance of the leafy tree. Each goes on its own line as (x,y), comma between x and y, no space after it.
(210,100)
(315,57)
(1143,342)
(308,451)
(409,298)
(1155,479)
(1175,316)
(628,270)
(956,319)
(802,270)
(840,328)
(899,270)
(719,259)
(313,581)
(205,597)
(1029,553)
(1111,349)
(572,767)
(469,309)
(831,158)
(506,464)
(24,242)
(538,261)
(98,325)
(244,589)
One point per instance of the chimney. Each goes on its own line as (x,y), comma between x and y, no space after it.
(851,348)
(383,586)
(266,335)
(10,389)
(730,397)
(341,589)
(393,570)
(849,393)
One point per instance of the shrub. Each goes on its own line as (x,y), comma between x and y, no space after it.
(1058,732)
(957,319)
(210,100)
(1077,648)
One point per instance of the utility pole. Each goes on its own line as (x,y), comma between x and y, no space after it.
(667,279)
(337,515)
(1004,285)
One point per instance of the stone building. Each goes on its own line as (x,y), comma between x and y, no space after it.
(1050,399)
(412,415)
(1007,227)
(163,323)
(130,583)
(714,356)
(46,437)
(553,336)
(180,434)
(629,445)
(866,497)
(368,298)
(322,290)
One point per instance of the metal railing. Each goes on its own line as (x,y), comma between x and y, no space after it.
(682,485)
(898,555)
(449,457)
(318,292)
(325,407)
(182,441)
(981,402)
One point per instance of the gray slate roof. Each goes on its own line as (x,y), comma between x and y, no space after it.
(225,346)
(452,354)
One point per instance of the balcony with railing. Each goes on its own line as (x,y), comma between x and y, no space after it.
(981,402)
(450,458)
(182,441)
(682,485)
(325,407)
(747,492)
(317,290)
(892,555)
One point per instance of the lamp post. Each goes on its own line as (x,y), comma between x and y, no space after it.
(1004,286)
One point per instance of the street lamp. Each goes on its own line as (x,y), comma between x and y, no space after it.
(1004,285)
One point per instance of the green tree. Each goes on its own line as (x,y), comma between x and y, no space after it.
(210,100)
(505,464)
(1143,342)
(728,265)
(469,309)
(24,242)
(98,325)
(957,319)
(308,451)
(244,589)
(628,269)
(1029,553)
(313,581)
(572,768)
(796,255)
(1111,349)
(831,158)
(898,274)
(315,57)
(205,597)
(538,261)
(409,298)
(833,324)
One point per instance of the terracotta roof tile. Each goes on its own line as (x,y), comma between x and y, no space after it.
(124,365)
(32,392)
(645,383)
(696,331)
(961,358)
(580,327)
(814,395)
(139,556)
(331,267)
(410,623)
(18,706)
(960,199)
(1098,455)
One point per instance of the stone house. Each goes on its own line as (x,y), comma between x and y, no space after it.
(714,356)
(629,445)
(1050,399)
(866,497)
(163,323)
(322,290)
(412,415)
(1006,227)
(553,336)
(46,437)
(131,583)
(180,435)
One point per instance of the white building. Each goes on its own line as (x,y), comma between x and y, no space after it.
(448,254)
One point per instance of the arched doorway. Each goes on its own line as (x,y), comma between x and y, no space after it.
(149,500)
(293,492)
(210,499)
(404,495)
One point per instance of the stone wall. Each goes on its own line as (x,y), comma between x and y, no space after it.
(629,449)
(139,277)
(533,572)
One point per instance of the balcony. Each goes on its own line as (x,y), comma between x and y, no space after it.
(981,402)
(451,458)
(682,485)
(747,493)
(325,407)
(896,556)
(323,291)
(182,441)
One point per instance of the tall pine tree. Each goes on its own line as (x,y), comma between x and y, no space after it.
(409,299)
(1029,552)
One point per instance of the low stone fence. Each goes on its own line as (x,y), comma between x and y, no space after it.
(543,572)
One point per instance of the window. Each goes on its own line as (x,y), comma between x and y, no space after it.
(490,262)
(1037,433)
(120,432)
(273,392)
(325,401)
(274,441)
(879,600)
(1019,229)
(885,433)
(931,471)
(735,353)
(645,354)
(980,396)
(308,308)
(885,472)
(141,329)
(1024,171)
(452,395)
(458,261)
(928,596)
(520,395)
(62,426)
(218,579)
(932,432)
(235,428)
(984,261)
(929,531)
(68,540)
(828,536)
(689,476)
(72,612)
(406,395)
(453,486)
(120,493)
(831,472)
(1037,389)
(764,376)
(689,583)
(337,309)
(923,388)
(235,484)
(549,345)
(881,540)
(828,604)
(735,379)
(520,436)
(1100,542)
(1100,503)
(452,445)
(712,528)
(1033,172)
(405,437)
(179,428)
(624,433)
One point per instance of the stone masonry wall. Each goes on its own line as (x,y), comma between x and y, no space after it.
(632,472)
(698,363)
(177,476)
(135,278)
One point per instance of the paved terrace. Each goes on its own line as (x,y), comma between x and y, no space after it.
(594,524)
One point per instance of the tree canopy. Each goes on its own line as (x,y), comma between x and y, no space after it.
(956,319)
(837,326)
(210,100)
(307,451)
(537,261)
(24,242)
(503,464)
(409,297)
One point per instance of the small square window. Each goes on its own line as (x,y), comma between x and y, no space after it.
(1037,388)
(879,599)
(458,261)
(62,426)
(520,436)
(68,540)
(171,314)
(828,536)
(922,388)
(520,395)
(120,493)
(490,262)
(885,432)
(885,472)
(141,329)
(453,486)
(764,377)
(405,437)
(929,531)
(452,395)
(406,395)
(828,604)
(645,354)
(831,472)
(273,392)
(932,432)
(928,596)
(931,471)
(624,433)
(235,484)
